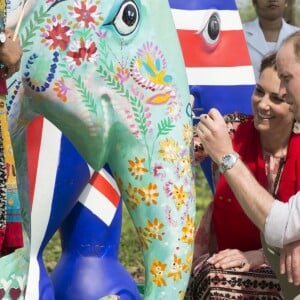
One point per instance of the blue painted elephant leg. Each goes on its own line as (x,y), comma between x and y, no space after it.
(89,266)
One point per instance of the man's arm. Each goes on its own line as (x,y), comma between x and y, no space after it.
(283,222)
(254,199)
(279,221)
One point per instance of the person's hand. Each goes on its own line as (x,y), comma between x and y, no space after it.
(240,261)
(290,262)
(10,54)
(213,133)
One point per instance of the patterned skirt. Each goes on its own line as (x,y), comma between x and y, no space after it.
(217,284)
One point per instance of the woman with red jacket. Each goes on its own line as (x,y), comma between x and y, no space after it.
(228,260)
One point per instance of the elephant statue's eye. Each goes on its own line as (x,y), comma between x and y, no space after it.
(211,31)
(127,18)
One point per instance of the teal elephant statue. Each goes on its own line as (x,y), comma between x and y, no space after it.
(110,76)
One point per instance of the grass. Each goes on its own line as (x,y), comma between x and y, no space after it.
(130,251)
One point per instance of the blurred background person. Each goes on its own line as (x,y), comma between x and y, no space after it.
(265,33)
(11,236)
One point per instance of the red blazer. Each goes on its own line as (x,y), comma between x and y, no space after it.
(233,228)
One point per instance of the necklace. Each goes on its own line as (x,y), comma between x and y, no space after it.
(278,176)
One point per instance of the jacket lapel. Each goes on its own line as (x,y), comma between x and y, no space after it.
(255,36)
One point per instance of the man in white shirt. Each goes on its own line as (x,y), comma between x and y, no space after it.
(279,222)
(265,33)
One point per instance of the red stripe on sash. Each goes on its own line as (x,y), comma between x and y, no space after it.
(33,144)
(100,183)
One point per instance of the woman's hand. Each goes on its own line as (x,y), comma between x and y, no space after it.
(290,262)
(240,261)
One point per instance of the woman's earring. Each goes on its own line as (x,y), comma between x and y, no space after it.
(296,128)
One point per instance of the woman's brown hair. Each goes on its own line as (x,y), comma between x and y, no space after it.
(268,61)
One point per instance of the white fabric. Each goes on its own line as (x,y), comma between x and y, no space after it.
(257,44)
(271,46)
(283,222)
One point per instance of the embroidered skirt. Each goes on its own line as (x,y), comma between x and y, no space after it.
(217,284)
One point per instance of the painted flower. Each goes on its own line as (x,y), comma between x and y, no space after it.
(149,194)
(154,229)
(132,196)
(168,188)
(137,167)
(184,167)
(155,72)
(150,72)
(154,64)
(179,195)
(56,34)
(61,89)
(187,134)
(188,231)
(122,74)
(101,34)
(86,14)
(174,110)
(177,268)
(81,51)
(158,271)
(159,171)
(169,150)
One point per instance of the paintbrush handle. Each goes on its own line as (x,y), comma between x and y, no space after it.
(19,21)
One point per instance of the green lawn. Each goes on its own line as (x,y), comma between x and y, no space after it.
(130,253)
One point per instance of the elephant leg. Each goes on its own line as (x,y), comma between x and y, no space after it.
(56,180)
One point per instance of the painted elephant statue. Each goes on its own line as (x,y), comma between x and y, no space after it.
(190,18)
(110,76)
(195,22)
(90,234)
(219,69)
